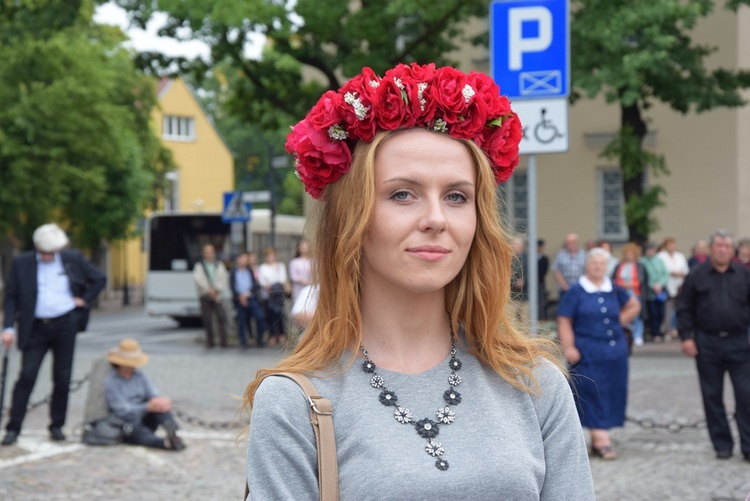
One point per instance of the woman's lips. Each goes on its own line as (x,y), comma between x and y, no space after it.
(429,252)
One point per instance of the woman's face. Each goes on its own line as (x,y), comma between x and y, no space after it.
(628,256)
(596,268)
(671,247)
(424,215)
(270,257)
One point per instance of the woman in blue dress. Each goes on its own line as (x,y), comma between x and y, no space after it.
(589,323)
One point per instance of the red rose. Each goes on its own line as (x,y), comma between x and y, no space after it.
(423,73)
(364,88)
(500,144)
(320,160)
(473,120)
(398,104)
(488,91)
(447,91)
(327,111)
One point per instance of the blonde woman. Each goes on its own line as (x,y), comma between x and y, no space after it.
(434,391)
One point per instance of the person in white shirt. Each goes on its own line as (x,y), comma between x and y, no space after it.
(677,268)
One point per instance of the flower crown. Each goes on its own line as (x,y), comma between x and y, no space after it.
(443,99)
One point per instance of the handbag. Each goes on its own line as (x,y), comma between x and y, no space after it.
(321,417)
(104,431)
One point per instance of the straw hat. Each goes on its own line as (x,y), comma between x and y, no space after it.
(127,354)
(49,238)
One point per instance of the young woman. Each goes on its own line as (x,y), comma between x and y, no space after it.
(435,393)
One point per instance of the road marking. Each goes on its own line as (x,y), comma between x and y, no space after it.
(39,448)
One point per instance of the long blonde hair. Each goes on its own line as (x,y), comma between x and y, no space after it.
(476,298)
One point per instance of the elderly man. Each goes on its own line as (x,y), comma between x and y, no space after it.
(713,316)
(132,398)
(211,281)
(48,291)
(568,264)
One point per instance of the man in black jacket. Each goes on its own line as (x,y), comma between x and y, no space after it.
(48,292)
(713,316)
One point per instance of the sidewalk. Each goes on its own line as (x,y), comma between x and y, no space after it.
(654,463)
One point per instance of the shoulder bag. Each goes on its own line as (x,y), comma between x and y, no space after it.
(321,417)
(109,430)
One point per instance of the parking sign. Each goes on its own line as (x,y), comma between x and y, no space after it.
(529,48)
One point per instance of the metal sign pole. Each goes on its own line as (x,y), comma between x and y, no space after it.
(532,279)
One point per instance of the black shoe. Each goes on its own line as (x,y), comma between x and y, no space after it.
(723,454)
(746,457)
(175,442)
(56,435)
(10,437)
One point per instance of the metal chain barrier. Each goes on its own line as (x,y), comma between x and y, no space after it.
(77,384)
(672,426)
(211,425)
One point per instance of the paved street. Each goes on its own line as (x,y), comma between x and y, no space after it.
(654,464)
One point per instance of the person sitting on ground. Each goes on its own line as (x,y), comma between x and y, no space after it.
(132,398)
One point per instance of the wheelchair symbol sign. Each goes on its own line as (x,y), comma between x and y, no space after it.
(545,125)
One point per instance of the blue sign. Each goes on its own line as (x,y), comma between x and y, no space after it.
(530,48)
(235,210)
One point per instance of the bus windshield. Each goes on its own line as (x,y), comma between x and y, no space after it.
(175,242)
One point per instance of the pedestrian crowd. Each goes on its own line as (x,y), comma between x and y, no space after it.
(651,293)
(260,295)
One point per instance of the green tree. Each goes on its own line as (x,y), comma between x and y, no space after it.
(76,144)
(330,39)
(636,52)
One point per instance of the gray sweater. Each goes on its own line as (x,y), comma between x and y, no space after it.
(504,443)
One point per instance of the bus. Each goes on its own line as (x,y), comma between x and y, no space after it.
(174,242)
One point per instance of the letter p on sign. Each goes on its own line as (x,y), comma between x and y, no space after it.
(517,43)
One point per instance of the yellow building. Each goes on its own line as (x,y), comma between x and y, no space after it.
(205,170)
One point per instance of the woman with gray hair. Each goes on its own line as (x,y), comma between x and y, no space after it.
(589,323)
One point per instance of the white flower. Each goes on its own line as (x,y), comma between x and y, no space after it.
(359,109)
(445,415)
(440,125)
(434,449)
(337,132)
(468,93)
(403,415)
(454,379)
(420,91)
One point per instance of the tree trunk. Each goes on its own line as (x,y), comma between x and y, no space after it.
(633,174)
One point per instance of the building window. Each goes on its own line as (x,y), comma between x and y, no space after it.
(611,222)
(515,206)
(177,128)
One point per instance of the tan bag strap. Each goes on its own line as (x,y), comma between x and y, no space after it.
(321,417)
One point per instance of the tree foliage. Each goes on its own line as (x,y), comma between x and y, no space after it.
(310,46)
(332,39)
(635,53)
(76,144)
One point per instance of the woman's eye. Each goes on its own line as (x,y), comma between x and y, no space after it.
(457,197)
(400,195)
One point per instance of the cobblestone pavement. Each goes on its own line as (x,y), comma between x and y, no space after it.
(654,463)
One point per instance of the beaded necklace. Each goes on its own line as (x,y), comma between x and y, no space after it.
(426,428)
